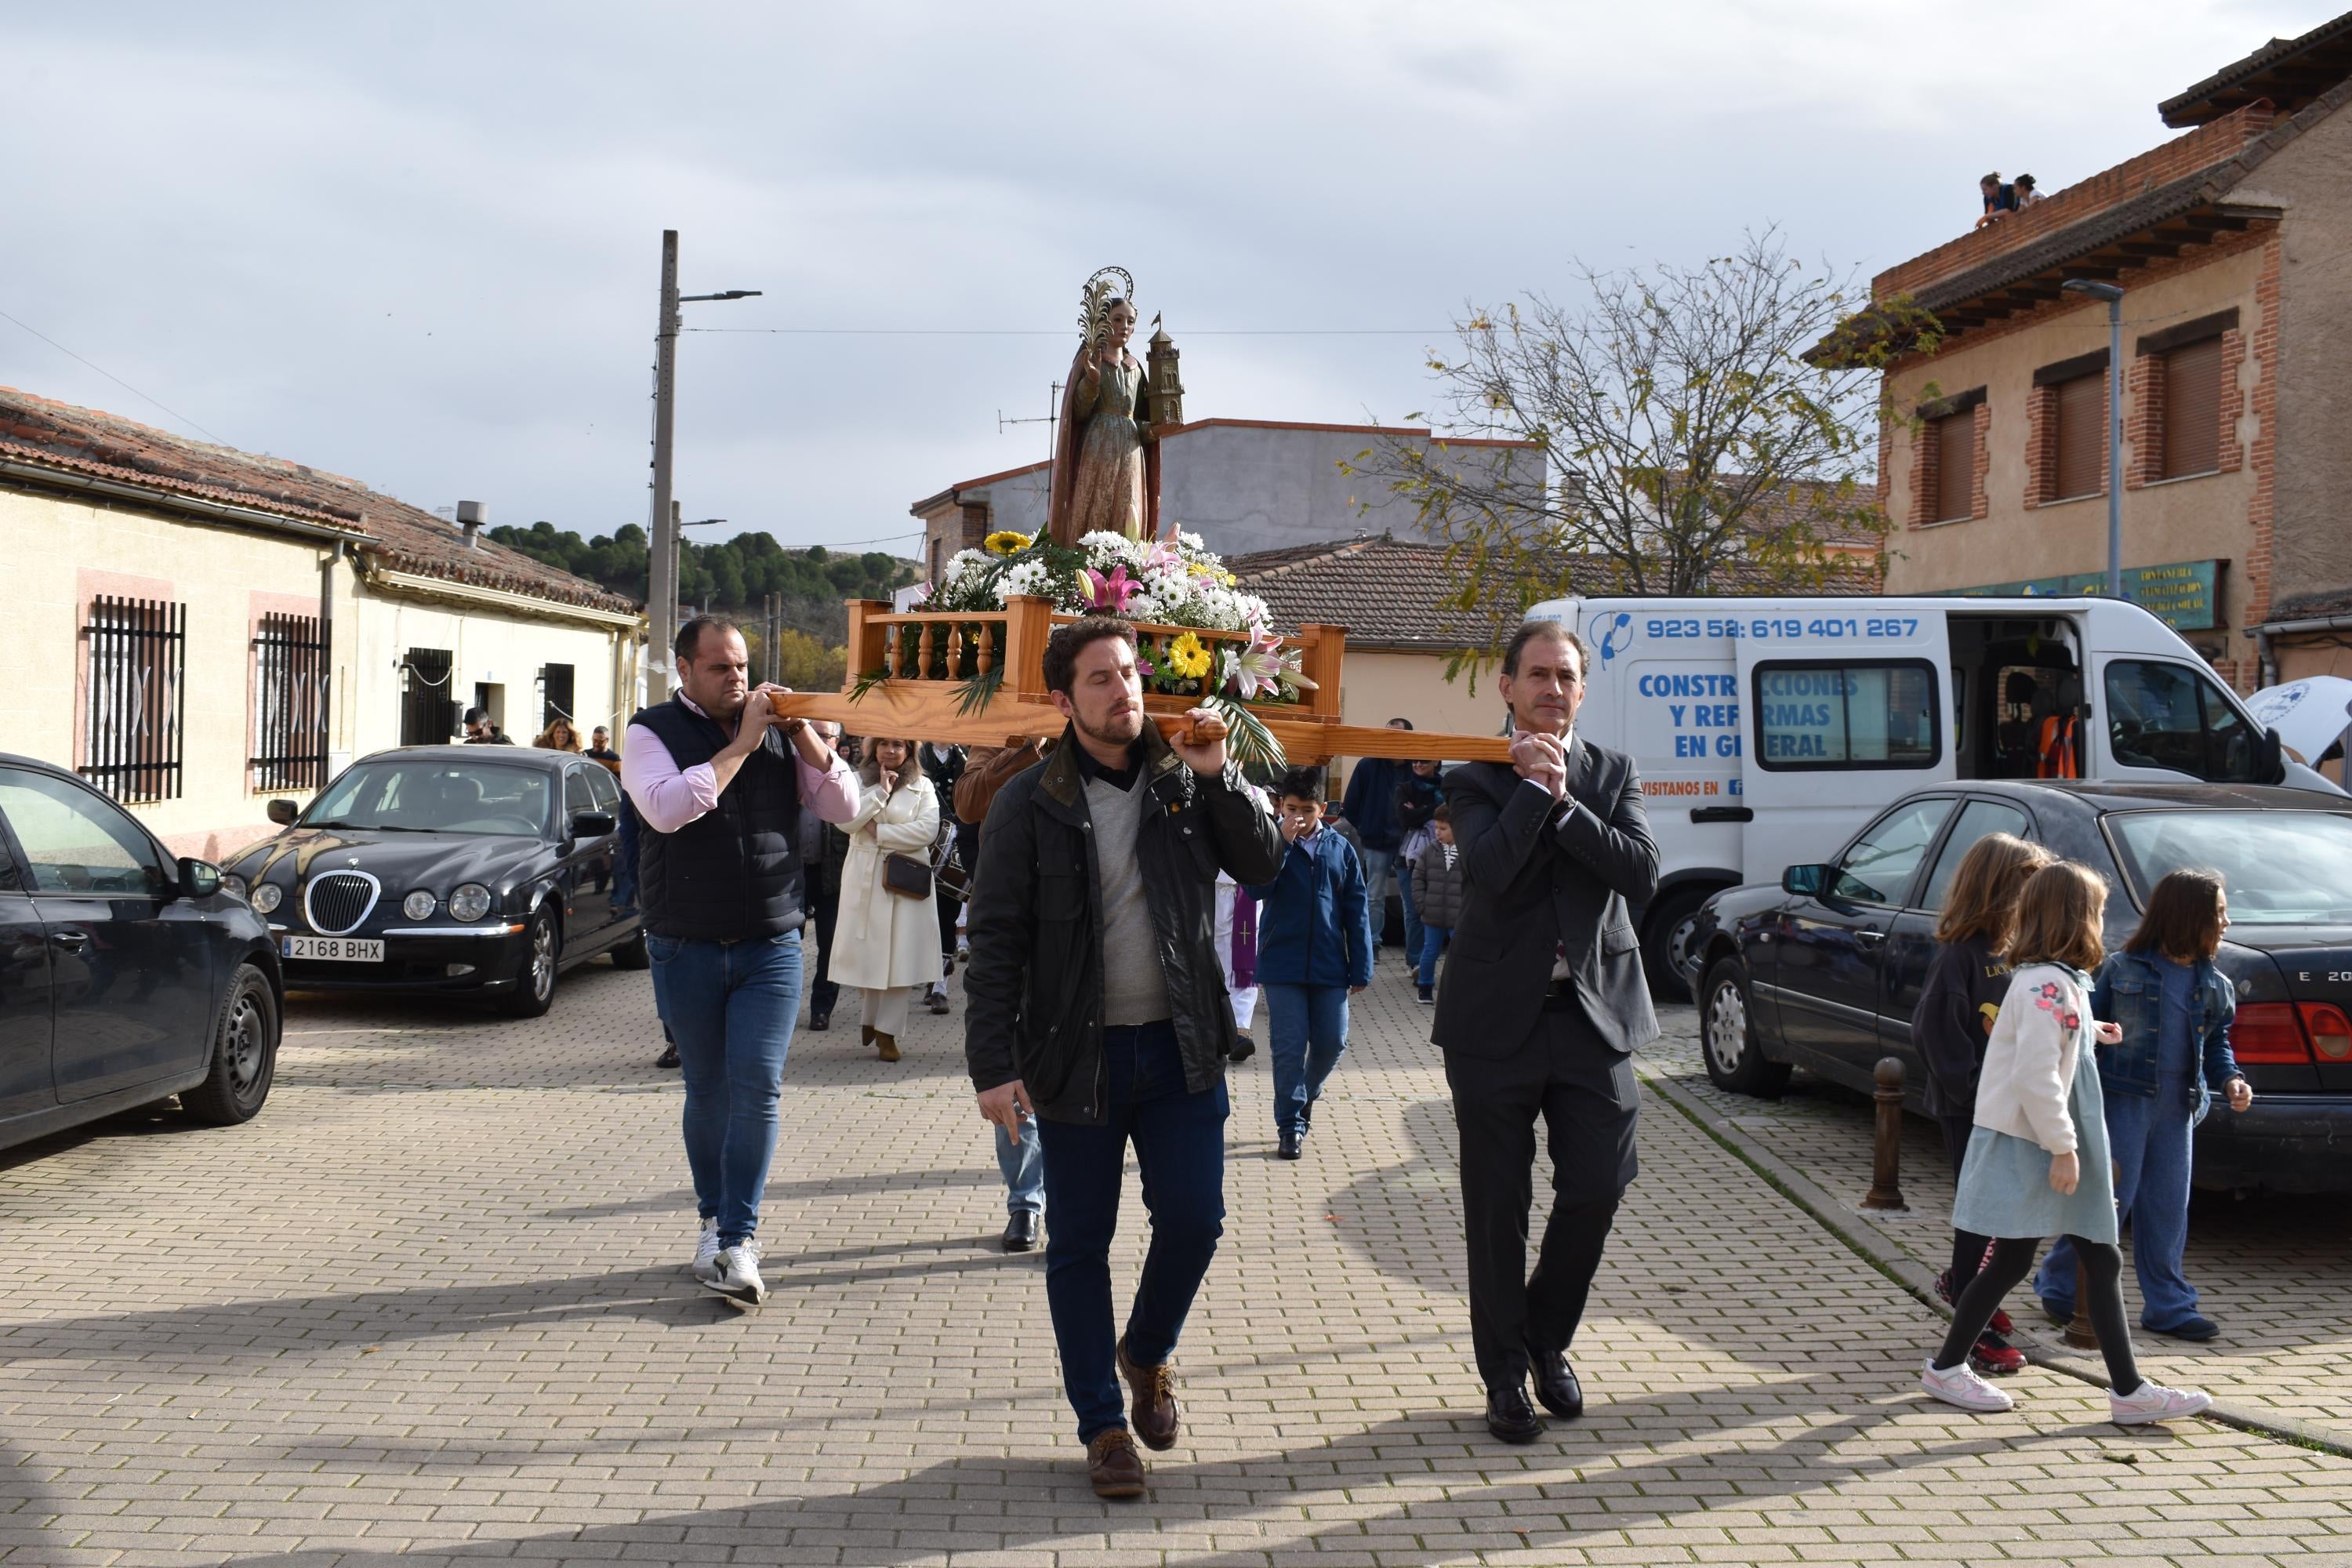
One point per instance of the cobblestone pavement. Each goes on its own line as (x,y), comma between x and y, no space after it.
(432,1308)
(2274,1271)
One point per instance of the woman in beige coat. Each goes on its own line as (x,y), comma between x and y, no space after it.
(886,944)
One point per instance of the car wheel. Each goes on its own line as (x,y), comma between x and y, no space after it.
(244,1056)
(632,953)
(1667,953)
(1727,1035)
(534,990)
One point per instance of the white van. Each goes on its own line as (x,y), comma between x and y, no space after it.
(1767,730)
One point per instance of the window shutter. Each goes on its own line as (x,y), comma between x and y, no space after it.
(2082,436)
(1956,465)
(2192,409)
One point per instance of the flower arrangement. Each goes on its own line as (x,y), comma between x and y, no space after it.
(1175,582)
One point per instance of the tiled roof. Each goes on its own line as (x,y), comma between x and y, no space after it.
(402,538)
(2289,72)
(1393,593)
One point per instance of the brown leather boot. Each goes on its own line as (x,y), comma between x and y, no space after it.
(885,1046)
(1156,1418)
(1113,1466)
(865,1034)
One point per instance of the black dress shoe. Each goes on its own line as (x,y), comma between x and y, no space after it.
(1556,1384)
(1020,1232)
(1510,1417)
(668,1058)
(821,1019)
(1290,1144)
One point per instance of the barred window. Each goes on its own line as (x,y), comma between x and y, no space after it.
(289,705)
(134,662)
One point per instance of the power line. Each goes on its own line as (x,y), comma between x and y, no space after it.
(118,380)
(1028,333)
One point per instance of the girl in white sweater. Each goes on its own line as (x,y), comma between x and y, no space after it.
(2037,1163)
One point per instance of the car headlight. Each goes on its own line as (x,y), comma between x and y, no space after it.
(419,905)
(469,901)
(268,897)
(233,886)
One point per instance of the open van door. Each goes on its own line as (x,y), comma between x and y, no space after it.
(1839,715)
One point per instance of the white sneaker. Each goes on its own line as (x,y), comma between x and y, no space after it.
(2154,1401)
(737,1277)
(706,1253)
(1961,1385)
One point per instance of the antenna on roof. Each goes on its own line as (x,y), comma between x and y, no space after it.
(1053,416)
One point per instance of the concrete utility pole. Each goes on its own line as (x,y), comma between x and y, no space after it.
(661,562)
(661,565)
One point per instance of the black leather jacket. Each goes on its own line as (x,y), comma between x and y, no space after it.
(1033,990)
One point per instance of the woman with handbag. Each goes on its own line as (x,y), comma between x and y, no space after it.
(886,942)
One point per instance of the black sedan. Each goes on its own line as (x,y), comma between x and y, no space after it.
(446,868)
(1822,971)
(126,975)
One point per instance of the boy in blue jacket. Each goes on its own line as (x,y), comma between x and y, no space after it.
(1314,951)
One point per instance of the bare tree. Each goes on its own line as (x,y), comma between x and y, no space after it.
(1678,422)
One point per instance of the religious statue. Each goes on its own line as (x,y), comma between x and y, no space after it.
(1106,448)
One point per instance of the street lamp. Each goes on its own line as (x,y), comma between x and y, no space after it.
(661,586)
(2114,298)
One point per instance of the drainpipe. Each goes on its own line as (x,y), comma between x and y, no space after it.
(2263,634)
(327,654)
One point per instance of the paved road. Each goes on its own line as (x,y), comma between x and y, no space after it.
(2274,1271)
(431,1309)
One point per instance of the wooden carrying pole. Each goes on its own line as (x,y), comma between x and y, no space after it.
(923,697)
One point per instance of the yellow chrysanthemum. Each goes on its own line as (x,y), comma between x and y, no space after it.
(1004,541)
(1188,658)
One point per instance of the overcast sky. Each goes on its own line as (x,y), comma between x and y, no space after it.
(420,245)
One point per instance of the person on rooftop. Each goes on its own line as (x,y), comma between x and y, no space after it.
(2026,195)
(1999,198)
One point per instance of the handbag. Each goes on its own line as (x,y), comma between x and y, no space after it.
(906,876)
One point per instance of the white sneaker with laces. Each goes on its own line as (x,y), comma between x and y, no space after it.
(1961,1385)
(2154,1401)
(706,1253)
(737,1278)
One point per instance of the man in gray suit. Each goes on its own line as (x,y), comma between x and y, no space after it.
(1542,1002)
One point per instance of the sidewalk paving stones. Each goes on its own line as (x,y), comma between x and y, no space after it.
(2274,1271)
(432,1308)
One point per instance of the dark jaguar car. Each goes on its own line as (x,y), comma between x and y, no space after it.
(1822,971)
(470,870)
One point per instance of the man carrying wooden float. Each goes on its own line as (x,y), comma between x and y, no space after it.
(1094,998)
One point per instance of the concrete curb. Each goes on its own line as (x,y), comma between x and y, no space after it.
(1889,1256)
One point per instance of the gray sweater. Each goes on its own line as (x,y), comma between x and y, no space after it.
(1135,989)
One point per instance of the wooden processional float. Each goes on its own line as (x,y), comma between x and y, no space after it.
(978,678)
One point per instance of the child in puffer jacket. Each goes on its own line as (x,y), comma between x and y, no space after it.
(1437,896)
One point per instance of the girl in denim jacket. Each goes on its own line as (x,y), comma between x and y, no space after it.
(2175,1009)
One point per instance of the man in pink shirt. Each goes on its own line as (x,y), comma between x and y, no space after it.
(720,781)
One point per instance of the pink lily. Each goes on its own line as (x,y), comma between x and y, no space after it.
(1256,668)
(1112,593)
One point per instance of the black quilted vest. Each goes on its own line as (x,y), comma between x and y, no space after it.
(734,871)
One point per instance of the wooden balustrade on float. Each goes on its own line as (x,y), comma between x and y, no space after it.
(927,658)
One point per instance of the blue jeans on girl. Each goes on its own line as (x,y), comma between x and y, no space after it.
(2150,1137)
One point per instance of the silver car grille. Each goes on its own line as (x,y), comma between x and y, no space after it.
(337,902)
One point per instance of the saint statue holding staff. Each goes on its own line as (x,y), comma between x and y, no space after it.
(1106,448)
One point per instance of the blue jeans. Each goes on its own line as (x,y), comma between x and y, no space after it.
(2150,1139)
(624,861)
(1309,1035)
(1378,864)
(1023,1167)
(1180,1143)
(1412,926)
(1433,940)
(730,1006)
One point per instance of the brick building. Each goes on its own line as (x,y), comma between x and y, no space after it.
(2227,242)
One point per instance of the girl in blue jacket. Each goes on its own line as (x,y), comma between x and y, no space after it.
(2175,1009)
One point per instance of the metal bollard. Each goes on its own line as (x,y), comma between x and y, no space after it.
(2080,1333)
(1886,1142)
